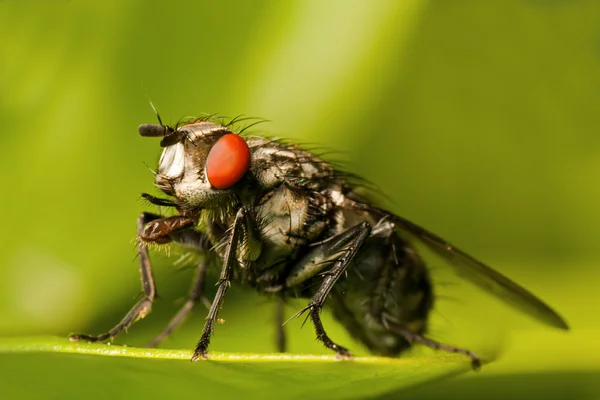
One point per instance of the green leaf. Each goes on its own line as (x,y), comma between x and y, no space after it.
(50,367)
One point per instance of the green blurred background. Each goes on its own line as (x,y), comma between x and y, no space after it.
(480,120)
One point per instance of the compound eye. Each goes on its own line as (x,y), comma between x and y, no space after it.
(228,161)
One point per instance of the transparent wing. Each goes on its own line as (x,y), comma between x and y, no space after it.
(471,269)
(482,275)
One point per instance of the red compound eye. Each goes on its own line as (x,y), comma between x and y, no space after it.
(228,161)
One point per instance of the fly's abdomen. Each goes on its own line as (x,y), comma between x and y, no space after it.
(388,281)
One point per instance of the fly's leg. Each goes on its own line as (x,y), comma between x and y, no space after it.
(150,228)
(412,337)
(158,201)
(198,242)
(197,293)
(229,260)
(386,230)
(279,320)
(348,243)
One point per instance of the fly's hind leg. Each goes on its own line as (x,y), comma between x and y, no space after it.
(150,228)
(340,249)
(412,337)
(403,259)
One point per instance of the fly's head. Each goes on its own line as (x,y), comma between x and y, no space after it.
(201,163)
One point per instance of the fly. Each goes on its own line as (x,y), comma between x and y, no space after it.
(281,220)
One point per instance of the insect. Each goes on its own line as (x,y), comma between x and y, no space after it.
(287,223)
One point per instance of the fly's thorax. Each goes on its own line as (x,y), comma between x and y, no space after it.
(289,215)
(275,162)
(288,219)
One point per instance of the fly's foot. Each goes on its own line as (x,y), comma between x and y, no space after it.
(475,363)
(412,337)
(140,310)
(77,337)
(198,355)
(201,350)
(342,353)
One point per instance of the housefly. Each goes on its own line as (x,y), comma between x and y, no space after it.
(282,220)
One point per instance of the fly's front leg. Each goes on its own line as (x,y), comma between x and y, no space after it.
(347,243)
(229,260)
(150,228)
(198,242)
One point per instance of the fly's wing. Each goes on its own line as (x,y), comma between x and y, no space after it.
(482,275)
(469,268)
